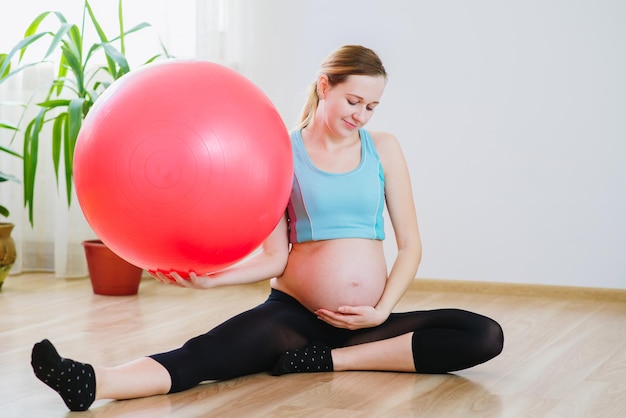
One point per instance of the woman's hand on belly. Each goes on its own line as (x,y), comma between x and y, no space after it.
(352,317)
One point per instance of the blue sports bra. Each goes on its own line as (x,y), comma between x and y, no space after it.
(327,205)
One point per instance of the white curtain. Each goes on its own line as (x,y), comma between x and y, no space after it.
(217,36)
(53,243)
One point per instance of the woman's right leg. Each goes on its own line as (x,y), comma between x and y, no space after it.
(247,343)
(138,379)
(80,384)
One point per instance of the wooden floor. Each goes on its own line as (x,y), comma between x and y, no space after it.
(564,355)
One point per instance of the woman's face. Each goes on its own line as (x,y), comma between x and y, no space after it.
(348,106)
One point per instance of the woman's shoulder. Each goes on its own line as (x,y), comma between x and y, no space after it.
(386,143)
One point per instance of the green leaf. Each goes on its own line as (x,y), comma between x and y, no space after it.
(31,154)
(21,46)
(74,122)
(60,80)
(34,25)
(77,40)
(26,42)
(10,151)
(165,52)
(58,37)
(72,59)
(153,58)
(120,18)
(103,38)
(61,17)
(118,58)
(32,28)
(96,25)
(3,59)
(58,128)
(91,51)
(4,211)
(136,28)
(6,177)
(7,126)
(18,70)
(73,52)
(50,104)
(75,119)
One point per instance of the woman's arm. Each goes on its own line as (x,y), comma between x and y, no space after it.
(266,263)
(401,208)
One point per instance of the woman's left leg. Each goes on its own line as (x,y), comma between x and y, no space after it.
(391,354)
(441,341)
(438,341)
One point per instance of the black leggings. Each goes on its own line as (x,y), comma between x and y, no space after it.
(444,340)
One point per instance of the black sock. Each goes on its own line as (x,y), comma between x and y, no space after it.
(74,381)
(313,358)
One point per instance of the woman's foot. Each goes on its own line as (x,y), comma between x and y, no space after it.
(74,381)
(313,358)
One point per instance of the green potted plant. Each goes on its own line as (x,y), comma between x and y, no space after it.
(78,83)
(83,72)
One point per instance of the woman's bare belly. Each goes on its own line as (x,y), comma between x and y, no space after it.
(333,273)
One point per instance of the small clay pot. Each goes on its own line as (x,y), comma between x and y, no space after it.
(110,274)
(7,250)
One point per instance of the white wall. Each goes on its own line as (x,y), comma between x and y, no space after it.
(512,116)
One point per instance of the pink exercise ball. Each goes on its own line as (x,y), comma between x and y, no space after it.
(183,166)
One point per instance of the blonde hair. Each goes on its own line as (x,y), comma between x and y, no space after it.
(346,61)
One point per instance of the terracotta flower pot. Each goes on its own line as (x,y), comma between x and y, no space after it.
(7,251)
(109,273)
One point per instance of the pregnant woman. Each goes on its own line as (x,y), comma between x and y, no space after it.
(330,307)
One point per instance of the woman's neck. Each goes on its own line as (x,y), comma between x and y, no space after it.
(318,134)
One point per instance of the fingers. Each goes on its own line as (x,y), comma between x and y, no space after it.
(174,275)
(190,280)
(350,310)
(159,276)
(337,319)
(351,317)
(171,278)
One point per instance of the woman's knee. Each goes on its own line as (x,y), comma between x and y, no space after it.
(488,335)
(493,338)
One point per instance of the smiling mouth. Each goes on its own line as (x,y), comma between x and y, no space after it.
(350,124)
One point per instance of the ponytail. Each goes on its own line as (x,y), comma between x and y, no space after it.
(310,106)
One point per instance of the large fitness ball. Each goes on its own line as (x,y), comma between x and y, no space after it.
(183,166)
